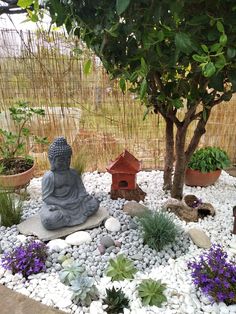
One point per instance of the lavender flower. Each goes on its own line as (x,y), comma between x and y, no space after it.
(215,276)
(26,259)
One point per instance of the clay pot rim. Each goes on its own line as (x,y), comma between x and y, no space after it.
(20,173)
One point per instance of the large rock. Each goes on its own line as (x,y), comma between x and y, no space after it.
(57,245)
(33,226)
(112,224)
(134,209)
(78,238)
(199,238)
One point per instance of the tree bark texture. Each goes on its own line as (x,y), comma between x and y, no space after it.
(169,155)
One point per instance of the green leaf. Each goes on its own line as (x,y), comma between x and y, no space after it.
(25,3)
(220,27)
(144,68)
(223,39)
(209,69)
(122,84)
(87,67)
(143,89)
(204,48)
(216,47)
(183,43)
(220,62)
(231,52)
(121,6)
(200,58)
(177,103)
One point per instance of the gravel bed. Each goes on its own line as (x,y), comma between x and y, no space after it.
(169,265)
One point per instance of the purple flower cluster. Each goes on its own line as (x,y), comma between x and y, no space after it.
(27,259)
(215,276)
(197,203)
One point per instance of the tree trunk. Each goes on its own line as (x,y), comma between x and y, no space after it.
(182,157)
(180,165)
(169,154)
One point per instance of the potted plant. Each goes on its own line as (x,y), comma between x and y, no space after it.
(16,167)
(205,166)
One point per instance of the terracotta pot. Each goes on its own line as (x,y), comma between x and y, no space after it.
(197,178)
(17,181)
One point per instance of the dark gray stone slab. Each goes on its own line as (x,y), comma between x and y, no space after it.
(33,226)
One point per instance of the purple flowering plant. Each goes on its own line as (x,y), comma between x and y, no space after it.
(215,275)
(27,259)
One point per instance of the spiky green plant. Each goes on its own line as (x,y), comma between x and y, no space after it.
(70,272)
(116,301)
(121,268)
(84,290)
(151,292)
(158,229)
(10,209)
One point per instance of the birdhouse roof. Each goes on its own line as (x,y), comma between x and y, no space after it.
(124,163)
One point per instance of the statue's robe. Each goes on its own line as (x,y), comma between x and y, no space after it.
(66,202)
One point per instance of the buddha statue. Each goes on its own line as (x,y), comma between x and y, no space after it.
(65,200)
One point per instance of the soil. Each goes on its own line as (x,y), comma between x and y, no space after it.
(15,165)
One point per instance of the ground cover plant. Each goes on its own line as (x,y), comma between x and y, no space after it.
(116,301)
(120,268)
(10,209)
(70,272)
(84,290)
(158,229)
(215,275)
(26,259)
(175,56)
(151,292)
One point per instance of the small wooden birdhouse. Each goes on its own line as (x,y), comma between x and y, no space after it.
(123,171)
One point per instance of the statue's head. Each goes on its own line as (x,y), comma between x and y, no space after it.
(59,154)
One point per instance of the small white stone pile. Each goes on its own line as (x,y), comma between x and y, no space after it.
(169,265)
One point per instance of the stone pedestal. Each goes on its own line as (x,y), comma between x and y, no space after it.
(130,195)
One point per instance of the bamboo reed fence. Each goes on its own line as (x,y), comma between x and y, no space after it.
(89,110)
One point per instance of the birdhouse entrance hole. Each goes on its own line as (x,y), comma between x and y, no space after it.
(123,184)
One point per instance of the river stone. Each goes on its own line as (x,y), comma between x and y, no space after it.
(33,226)
(57,245)
(112,224)
(199,238)
(232,244)
(78,238)
(134,209)
(107,241)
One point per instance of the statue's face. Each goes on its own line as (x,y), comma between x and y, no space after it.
(61,163)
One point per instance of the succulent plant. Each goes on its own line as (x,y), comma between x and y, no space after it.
(70,272)
(151,292)
(116,301)
(84,290)
(158,229)
(121,268)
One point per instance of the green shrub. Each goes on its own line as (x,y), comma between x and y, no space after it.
(209,159)
(84,290)
(116,301)
(121,268)
(10,209)
(70,272)
(151,292)
(158,229)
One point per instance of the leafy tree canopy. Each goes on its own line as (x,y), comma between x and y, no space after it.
(174,54)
